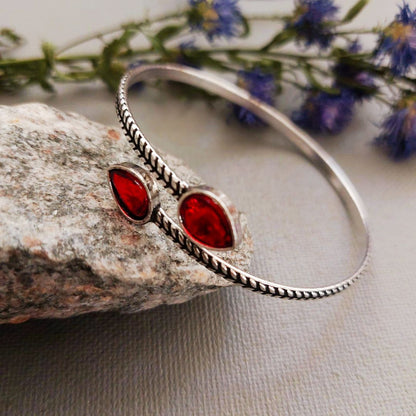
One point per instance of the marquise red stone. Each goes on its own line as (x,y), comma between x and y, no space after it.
(130,194)
(205,221)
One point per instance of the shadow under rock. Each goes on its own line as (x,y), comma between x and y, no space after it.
(107,362)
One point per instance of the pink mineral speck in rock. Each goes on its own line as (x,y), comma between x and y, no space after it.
(30,242)
(113,134)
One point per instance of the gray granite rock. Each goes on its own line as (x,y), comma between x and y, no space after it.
(64,248)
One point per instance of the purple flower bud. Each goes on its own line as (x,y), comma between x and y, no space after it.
(259,84)
(398,135)
(312,22)
(216,18)
(325,113)
(398,41)
(360,83)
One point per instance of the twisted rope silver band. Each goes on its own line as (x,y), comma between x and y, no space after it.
(305,144)
(145,150)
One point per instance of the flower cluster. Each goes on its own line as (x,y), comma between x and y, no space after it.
(398,136)
(216,18)
(330,113)
(261,85)
(313,22)
(358,82)
(326,63)
(325,113)
(398,41)
(185,54)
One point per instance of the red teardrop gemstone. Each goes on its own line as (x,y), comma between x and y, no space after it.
(130,194)
(206,221)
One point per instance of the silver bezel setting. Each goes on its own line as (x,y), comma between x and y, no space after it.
(226,205)
(148,182)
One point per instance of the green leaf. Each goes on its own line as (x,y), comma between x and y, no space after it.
(11,36)
(356,85)
(168,32)
(271,66)
(111,75)
(202,58)
(107,67)
(46,85)
(234,56)
(112,49)
(157,45)
(355,10)
(281,38)
(246,27)
(314,83)
(162,36)
(133,26)
(49,54)
(340,53)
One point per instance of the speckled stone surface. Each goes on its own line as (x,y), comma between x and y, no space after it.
(64,247)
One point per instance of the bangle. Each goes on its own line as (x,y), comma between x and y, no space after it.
(207,218)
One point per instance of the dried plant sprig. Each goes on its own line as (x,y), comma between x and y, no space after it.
(335,75)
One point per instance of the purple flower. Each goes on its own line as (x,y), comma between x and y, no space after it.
(325,113)
(398,41)
(354,46)
(360,83)
(216,18)
(312,22)
(184,56)
(398,136)
(260,85)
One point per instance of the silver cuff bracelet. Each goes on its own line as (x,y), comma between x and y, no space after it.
(207,219)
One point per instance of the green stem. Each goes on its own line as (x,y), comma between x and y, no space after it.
(254,51)
(115,29)
(65,59)
(78,77)
(15,62)
(280,17)
(296,84)
(373,31)
(234,59)
(383,100)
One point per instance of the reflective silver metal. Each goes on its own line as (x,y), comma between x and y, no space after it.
(148,182)
(227,206)
(302,141)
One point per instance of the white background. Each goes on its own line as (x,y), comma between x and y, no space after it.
(235,352)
